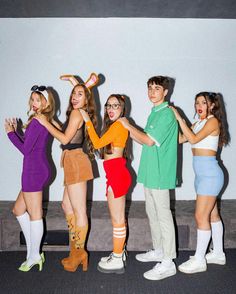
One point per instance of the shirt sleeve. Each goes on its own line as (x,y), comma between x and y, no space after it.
(106,138)
(19,144)
(33,131)
(159,129)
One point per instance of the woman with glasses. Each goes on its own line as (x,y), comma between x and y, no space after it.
(36,172)
(77,167)
(113,150)
(206,136)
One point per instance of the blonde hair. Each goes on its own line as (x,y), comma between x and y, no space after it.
(48,111)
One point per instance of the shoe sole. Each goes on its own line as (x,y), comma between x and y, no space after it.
(113,271)
(162,277)
(219,262)
(151,260)
(192,271)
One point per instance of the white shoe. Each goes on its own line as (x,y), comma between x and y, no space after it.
(124,256)
(160,272)
(113,265)
(151,255)
(216,258)
(192,266)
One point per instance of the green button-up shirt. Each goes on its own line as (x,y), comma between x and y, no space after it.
(157,168)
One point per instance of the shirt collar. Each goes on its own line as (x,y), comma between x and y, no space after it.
(160,107)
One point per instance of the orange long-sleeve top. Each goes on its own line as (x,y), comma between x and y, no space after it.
(116,135)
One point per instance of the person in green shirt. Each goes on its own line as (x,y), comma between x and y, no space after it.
(157,173)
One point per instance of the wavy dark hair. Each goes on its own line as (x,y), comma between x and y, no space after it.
(48,111)
(107,123)
(219,113)
(90,107)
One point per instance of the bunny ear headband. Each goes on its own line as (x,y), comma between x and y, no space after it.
(90,83)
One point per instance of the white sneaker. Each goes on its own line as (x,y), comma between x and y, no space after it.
(113,265)
(160,272)
(192,266)
(151,255)
(216,258)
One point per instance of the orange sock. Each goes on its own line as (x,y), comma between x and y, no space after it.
(70,218)
(119,236)
(80,236)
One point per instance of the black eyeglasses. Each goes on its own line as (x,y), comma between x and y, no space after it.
(38,88)
(114,106)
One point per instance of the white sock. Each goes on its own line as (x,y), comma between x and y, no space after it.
(24,221)
(203,238)
(36,233)
(217,237)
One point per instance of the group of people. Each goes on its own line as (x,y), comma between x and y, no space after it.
(157,173)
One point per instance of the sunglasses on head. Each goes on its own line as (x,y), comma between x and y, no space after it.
(38,88)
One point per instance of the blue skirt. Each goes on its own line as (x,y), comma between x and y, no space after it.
(209,177)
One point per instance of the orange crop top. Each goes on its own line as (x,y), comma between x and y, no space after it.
(116,135)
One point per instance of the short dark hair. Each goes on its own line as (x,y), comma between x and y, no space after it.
(159,80)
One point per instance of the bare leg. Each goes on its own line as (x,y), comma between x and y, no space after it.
(19,210)
(77,194)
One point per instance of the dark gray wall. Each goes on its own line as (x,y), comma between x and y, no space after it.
(119,8)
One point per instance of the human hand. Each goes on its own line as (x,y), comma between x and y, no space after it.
(176,113)
(124,122)
(84,115)
(9,125)
(41,118)
(70,78)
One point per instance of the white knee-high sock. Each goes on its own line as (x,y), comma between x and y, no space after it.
(217,236)
(24,221)
(36,233)
(203,238)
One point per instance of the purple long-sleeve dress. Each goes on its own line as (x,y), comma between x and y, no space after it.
(36,170)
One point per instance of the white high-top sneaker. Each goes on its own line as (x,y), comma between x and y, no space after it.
(114,264)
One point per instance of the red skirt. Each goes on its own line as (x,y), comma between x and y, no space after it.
(118,176)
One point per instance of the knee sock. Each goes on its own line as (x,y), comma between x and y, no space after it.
(80,236)
(203,238)
(24,221)
(217,236)
(119,236)
(70,218)
(36,233)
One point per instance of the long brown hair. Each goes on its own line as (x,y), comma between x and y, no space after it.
(48,111)
(107,123)
(219,113)
(90,107)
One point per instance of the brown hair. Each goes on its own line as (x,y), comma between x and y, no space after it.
(90,107)
(107,123)
(218,112)
(159,80)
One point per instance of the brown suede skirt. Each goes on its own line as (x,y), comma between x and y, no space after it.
(77,166)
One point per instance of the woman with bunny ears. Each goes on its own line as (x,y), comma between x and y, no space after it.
(36,172)
(77,167)
(113,145)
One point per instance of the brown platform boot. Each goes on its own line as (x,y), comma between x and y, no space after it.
(72,252)
(80,257)
(71,226)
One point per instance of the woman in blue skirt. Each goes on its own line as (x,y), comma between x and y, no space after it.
(205,136)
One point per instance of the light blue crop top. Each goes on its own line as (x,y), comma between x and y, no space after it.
(210,142)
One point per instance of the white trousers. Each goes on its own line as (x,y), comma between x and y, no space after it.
(161,221)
